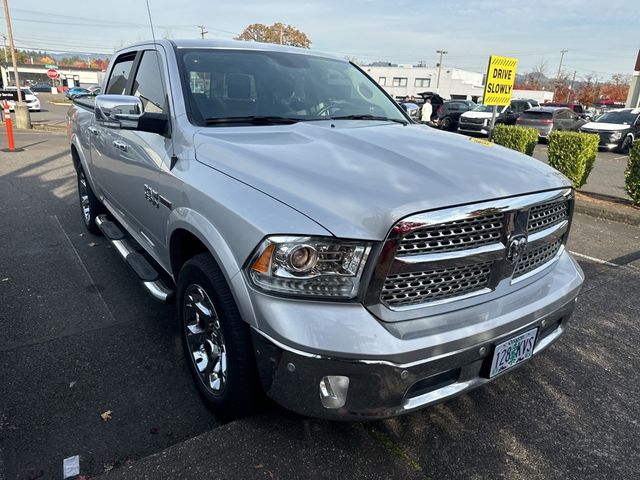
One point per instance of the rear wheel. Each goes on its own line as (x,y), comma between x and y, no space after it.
(446,123)
(90,206)
(216,341)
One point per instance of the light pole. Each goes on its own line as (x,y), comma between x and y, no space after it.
(562,52)
(441,52)
(23,119)
(203,32)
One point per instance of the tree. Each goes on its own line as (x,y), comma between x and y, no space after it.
(561,88)
(589,91)
(276,33)
(616,89)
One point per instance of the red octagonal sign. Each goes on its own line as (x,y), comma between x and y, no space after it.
(52,73)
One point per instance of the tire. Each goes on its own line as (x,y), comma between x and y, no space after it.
(626,145)
(90,206)
(217,342)
(446,123)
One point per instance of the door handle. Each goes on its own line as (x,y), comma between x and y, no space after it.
(120,145)
(93,130)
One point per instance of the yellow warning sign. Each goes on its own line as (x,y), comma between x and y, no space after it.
(501,75)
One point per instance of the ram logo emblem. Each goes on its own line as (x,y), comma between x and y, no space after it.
(515,248)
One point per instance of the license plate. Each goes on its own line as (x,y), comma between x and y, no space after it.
(513,351)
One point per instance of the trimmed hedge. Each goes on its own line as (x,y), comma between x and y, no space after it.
(520,139)
(573,154)
(632,174)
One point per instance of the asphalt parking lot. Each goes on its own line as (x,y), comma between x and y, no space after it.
(80,337)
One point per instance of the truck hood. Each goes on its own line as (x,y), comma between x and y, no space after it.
(480,114)
(358,178)
(605,127)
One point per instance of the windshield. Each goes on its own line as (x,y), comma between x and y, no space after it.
(623,118)
(235,84)
(486,108)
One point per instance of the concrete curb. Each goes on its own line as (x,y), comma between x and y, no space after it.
(45,127)
(609,211)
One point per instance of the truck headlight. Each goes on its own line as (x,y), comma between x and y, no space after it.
(615,136)
(320,267)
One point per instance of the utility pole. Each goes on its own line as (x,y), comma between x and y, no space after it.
(441,52)
(571,86)
(562,52)
(202,30)
(23,119)
(281,33)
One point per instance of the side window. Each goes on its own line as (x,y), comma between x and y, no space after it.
(120,75)
(147,84)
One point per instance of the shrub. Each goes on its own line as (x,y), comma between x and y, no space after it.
(573,154)
(632,174)
(520,139)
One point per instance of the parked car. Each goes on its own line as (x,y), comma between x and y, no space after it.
(448,114)
(28,96)
(41,87)
(618,129)
(574,107)
(547,119)
(75,92)
(477,120)
(319,245)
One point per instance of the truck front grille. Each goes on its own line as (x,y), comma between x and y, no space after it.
(456,235)
(537,257)
(421,287)
(461,252)
(548,215)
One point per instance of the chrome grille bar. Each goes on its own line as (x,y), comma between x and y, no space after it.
(460,253)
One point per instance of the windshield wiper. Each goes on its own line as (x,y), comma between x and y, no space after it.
(252,120)
(369,117)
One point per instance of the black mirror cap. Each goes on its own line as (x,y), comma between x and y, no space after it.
(154,123)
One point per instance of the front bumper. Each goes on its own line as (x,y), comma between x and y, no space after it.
(473,128)
(382,384)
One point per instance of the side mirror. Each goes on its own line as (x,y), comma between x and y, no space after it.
(127,112)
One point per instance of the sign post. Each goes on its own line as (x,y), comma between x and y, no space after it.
(501,75)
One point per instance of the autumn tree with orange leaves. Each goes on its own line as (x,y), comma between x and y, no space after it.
(276,33)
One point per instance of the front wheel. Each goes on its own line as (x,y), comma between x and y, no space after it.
(216,341)
(626,145)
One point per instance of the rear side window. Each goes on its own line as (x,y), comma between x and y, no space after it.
(120,75)
(147,85)
(578,109)
(537,115)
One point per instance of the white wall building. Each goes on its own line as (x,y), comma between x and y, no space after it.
(455,83)
(410,80)
(38,73)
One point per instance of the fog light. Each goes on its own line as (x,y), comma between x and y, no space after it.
(333,391)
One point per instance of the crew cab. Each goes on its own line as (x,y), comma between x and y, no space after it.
(319,246)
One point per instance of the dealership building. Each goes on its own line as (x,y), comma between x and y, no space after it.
(455,83)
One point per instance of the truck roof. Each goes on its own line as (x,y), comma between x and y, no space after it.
(233,44)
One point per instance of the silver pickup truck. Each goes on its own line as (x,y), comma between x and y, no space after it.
(320,246)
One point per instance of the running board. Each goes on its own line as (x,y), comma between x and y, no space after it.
(147,274)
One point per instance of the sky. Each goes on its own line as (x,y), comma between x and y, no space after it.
(602,37)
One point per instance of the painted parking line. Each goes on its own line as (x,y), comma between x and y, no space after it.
(620,157)
(602,262)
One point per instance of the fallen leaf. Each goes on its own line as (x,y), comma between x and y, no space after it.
(258,466)
(106,415)
(93,244)
(72,384)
